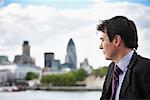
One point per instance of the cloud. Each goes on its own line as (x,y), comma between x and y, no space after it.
(49,29)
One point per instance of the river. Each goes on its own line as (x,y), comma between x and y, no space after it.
(50,95)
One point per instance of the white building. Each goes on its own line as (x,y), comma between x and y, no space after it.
(7,72)
(3,76)
(22,70)
(85,65)
(14,71)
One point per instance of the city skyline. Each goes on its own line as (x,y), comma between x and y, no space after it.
(70,57)
(49,25)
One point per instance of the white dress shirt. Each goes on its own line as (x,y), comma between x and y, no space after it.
(122,64)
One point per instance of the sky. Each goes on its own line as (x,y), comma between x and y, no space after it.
(48,25)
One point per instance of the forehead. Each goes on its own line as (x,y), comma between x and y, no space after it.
(103,35)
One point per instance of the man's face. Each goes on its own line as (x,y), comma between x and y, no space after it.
(107,46)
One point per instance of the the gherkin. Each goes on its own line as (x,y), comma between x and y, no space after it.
(71,57)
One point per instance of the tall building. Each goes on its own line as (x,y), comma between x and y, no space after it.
(25,58)
(71,57)
(51,64)
(26,48)
(49,57)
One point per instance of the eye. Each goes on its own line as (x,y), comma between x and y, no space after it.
(102,39)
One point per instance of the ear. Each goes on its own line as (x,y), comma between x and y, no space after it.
(117,40)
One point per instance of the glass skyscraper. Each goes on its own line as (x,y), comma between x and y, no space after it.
(71,57)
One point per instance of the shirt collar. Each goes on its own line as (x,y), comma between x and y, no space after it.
(124,62)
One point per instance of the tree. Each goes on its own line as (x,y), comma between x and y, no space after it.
(80,74)
(101,71)
(31,76)
(65,79)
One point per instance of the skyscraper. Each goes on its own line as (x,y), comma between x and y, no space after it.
(25,58)
(71,57)
(49,58)
(26,48)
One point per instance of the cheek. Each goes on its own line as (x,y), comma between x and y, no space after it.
(108,49)
(106,45)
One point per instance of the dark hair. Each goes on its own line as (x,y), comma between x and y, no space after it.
(120,25)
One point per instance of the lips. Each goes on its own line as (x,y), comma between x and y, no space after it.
(103,52)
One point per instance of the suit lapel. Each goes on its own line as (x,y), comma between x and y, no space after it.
(109,79)
(127,76)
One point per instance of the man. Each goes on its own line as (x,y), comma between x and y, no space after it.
(128,75)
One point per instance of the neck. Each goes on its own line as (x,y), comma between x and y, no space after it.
(121,53)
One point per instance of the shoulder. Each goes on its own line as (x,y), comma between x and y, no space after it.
(142,64)
(143,61)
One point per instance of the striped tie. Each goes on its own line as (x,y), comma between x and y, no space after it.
(115,81)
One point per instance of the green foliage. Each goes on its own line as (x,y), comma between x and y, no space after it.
(31,76)
(101,71)
(66,79)
(59,79)
(80,74)
(46,79)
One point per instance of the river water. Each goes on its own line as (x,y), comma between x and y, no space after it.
(50,95)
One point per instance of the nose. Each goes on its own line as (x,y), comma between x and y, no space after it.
(101,47)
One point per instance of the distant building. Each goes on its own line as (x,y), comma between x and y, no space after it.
(15,72)
(25,58)
(4,60)
(22,65)
(85,65)
(55,65)
(50,63)
(49,57)
(65,67)
(22,70)
(26,49)
(25,63)
(71,57)
(6,75)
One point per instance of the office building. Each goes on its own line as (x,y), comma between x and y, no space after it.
(71,57)
(25,58)
(49,57)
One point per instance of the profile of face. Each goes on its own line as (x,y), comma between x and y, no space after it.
(107,46)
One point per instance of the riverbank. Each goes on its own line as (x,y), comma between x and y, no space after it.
(10,89)
(49,88)
(65,88)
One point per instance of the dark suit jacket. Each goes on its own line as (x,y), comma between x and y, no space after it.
(136,83)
